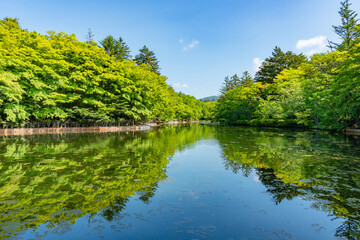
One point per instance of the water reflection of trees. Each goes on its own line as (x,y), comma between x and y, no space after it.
(317,166)
(52,179)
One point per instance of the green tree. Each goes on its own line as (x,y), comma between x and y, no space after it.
(109,45)
(345,91)
(347,31)
(238,105)
(230,83)
(116,48)
(123,50)
(148,57)
(246,79)
(55,80)
(279,61)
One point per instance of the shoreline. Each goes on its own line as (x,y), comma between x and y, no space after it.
(135,128)
(35,131)
(347,131)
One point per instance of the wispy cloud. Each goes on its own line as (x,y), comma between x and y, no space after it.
(180,85)
(312,45)
(257,63)
(189,46)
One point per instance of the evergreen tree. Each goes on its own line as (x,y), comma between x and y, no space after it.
(225,86)
(116,48)
(123,50)
(148,57)
(348,30)
(279,61)
(109,44)
(246,79)
(235,81)
(230,83)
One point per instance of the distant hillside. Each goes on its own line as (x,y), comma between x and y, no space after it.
(210,99)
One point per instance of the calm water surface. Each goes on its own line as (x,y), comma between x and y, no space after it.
(181,182)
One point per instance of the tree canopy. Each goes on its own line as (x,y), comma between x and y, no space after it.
(292,90)
(56,80)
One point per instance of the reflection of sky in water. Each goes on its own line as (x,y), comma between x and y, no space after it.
(200,199)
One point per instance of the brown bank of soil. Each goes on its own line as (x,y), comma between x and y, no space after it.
(30,131)
(352,131)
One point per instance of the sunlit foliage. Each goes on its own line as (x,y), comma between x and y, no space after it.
(321,91)
(56,80)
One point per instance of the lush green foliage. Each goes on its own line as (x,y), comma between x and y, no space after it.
(235,81)
(56,80)
(291,90)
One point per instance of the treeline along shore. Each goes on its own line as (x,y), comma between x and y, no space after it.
(55,80)
(295,90)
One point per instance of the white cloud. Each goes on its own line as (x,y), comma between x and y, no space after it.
(180,85)
(257,63)
(312,45)
(316,41)
(181,41)
(191,45)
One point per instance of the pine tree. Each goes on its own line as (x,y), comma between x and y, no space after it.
(148,57)
(109,44)
(230,83)
(246,79)
(348,30)
(225,86)
(123,50)
(279,61)
(116,48)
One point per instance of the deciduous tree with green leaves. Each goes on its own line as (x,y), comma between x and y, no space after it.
(54,80)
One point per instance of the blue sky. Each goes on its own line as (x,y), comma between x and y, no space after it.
(197,42)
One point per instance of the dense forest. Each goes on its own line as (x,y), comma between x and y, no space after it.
(293,90)
(55,80)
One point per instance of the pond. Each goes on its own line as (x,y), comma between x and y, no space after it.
(181,182)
